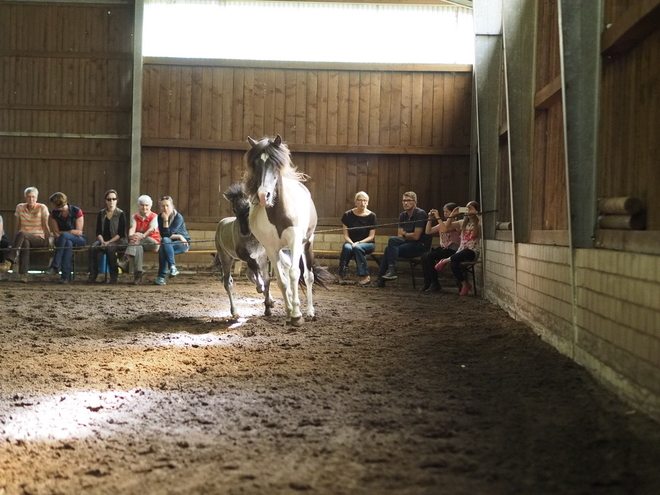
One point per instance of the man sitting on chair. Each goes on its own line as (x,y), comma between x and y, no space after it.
(410,242)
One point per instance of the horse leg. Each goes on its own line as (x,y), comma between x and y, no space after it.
(255,270)
(265,277)
(285,286)
(268,301)
(294,277)
(309,280)
(227,265)
(280,266)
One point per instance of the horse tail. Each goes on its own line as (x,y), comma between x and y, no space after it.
(217,262)
(321,273)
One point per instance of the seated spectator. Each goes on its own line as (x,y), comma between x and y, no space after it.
(66,224)
(32,231)
(411,240)
(470,227)
(143,235)
(359,225)
(4,243)
(110,238)
(174,239)
(449,242)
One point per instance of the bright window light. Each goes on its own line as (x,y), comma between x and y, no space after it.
(314,32)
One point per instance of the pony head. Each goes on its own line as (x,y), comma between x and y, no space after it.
(266,162)
(240,206)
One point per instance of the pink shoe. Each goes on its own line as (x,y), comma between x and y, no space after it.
(440,266)
(465,290)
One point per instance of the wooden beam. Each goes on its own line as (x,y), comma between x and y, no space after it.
(548,95)
(308,148)
(81,55)
(70,158)
(549,237)
(635,24)
(633,241)
(278,64)
(64,108)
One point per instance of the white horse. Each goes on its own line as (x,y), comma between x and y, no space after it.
(283,218)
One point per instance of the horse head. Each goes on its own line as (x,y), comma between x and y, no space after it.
(240,206)
(266,162)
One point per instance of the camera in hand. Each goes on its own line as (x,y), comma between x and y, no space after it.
(463,209)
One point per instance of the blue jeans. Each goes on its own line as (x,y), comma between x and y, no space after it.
(400,248)
(166,254)
(64,245)
(359,252)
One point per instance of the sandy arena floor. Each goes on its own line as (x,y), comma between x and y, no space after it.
(155,390)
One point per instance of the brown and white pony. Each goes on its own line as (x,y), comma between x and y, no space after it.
(283,218)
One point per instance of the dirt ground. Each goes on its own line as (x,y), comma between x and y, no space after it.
(156,390)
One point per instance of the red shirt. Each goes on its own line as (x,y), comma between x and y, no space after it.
(143,224)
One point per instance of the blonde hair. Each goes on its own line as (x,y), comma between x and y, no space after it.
(31,189)
(411,195)
(361,193)
(59,199)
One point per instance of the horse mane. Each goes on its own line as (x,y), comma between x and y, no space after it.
(235,194)
(279,154)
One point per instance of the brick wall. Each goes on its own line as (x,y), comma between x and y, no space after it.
(611,326)
(618,322)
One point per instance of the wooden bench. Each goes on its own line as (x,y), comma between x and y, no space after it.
(375,256)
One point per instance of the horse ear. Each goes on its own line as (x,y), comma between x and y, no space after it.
(278,141)
(252,142)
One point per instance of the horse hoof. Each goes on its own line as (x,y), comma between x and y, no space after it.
(267,312)
(296,322)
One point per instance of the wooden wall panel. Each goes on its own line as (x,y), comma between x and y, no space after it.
(65,102)
(334,180)
(344,111)
(306,106)
(548,189)
(629,145)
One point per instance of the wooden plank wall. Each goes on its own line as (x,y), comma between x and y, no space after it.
(385,132)
(630,119)
(503,213)
(65,102)
(549,193)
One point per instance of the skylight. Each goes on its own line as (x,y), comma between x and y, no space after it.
(315,32)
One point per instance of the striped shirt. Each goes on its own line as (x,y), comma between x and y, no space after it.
(31,220)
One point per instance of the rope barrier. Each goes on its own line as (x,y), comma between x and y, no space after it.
(88,246)
(396,223)
(54,248)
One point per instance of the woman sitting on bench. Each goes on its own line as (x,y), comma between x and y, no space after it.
(32,231)
(66,224)
(174,239)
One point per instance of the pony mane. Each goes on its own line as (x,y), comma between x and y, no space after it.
(235,194)
(279,154)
